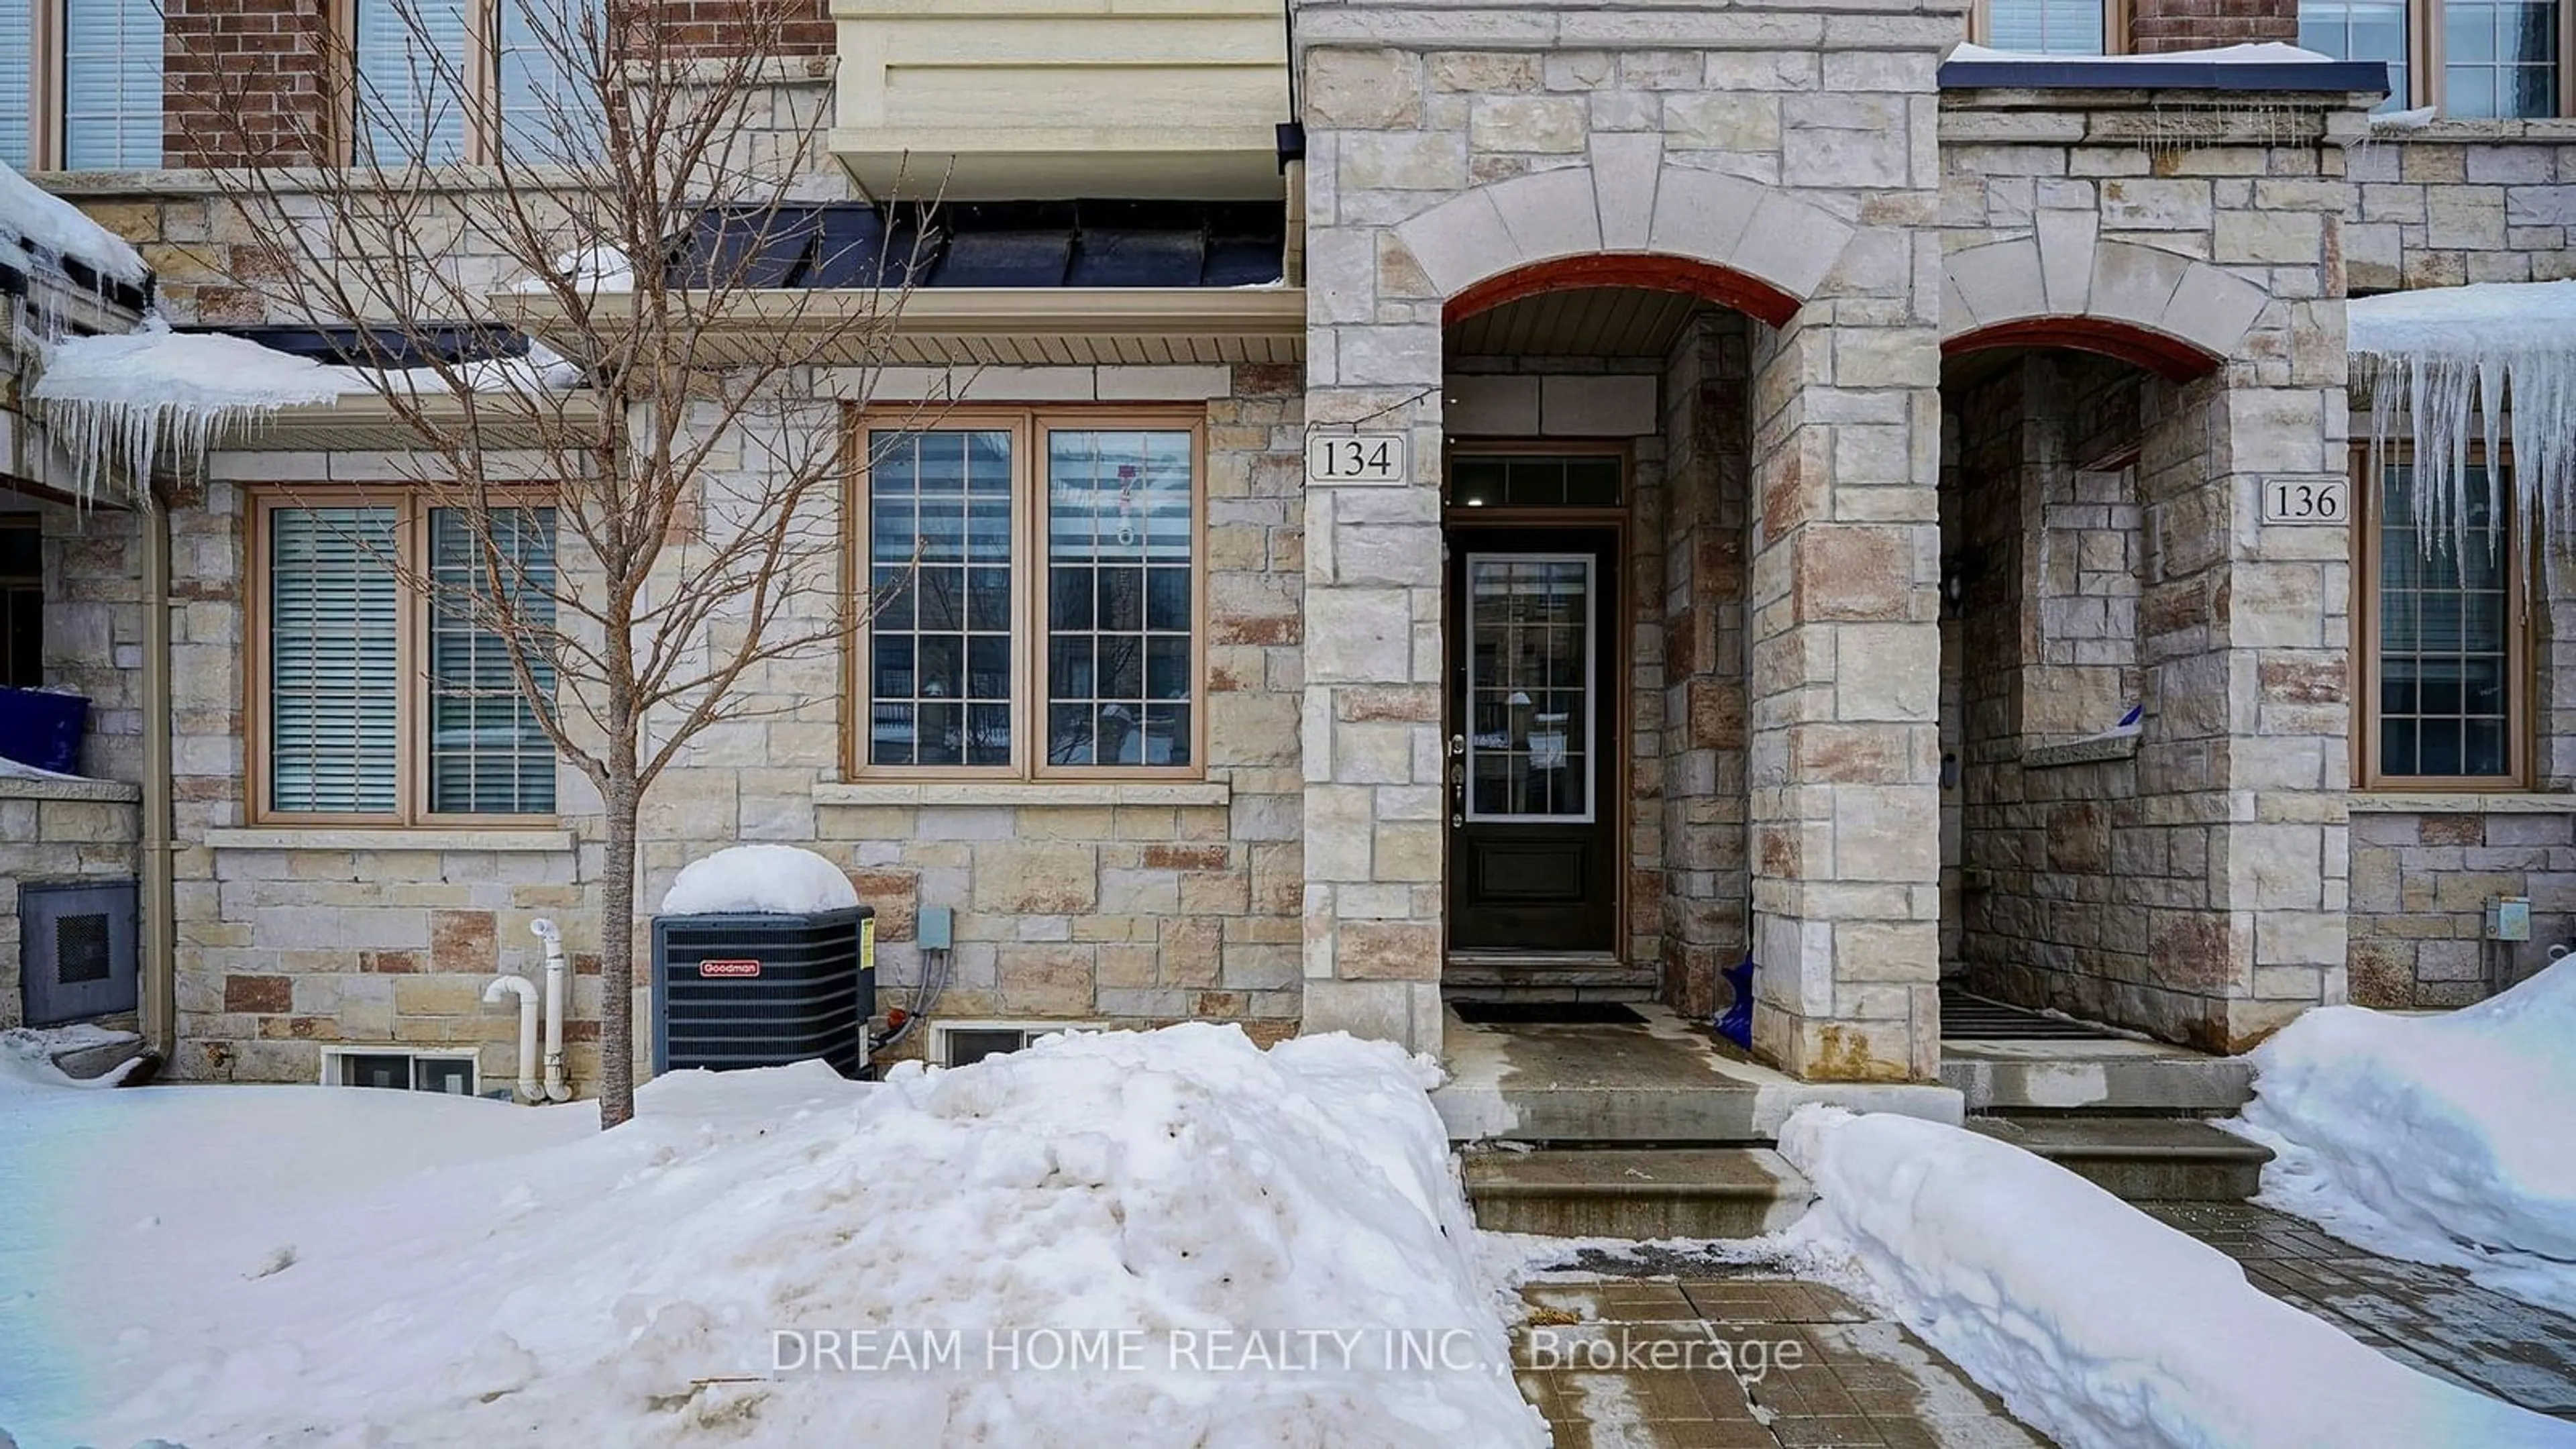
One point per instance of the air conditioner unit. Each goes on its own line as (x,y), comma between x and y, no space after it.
(733,991)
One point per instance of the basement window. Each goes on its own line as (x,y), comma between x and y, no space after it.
(450,1072)
(963,1044)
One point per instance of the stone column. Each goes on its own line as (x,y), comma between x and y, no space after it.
(1846,651)
(1371,730)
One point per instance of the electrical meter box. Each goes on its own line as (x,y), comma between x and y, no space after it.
(2509,918)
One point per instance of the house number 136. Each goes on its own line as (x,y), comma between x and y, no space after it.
(2305,500)
(1355,457)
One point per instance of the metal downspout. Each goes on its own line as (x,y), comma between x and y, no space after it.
(160,890)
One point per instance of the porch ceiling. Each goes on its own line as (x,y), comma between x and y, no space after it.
(1583,322)
(969,326)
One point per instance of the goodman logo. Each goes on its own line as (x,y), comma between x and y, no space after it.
(729,968)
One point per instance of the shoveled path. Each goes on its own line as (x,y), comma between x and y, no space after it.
(2428,1318)
(1717,1357)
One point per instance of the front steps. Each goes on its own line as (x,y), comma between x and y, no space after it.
(1702,1192)
(2141,1159)
(1648,1129)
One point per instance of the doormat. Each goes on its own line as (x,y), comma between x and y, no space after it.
(1981,1018)
(1547,1013)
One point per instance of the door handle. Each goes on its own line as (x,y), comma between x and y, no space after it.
(1457,781)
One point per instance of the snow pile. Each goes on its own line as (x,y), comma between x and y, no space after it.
(777,879)
(679,1280)
(2098,1325)
(2447,364)
(2445,1139)
(40,221)
(27,1057)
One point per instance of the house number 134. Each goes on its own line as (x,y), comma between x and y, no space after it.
(1355,457)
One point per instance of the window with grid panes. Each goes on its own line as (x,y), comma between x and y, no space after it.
(2479,59)
(2444,689)
(1034,586)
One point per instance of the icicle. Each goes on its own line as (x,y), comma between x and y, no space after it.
(2492,365)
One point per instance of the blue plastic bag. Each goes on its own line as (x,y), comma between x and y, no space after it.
(1736,1022)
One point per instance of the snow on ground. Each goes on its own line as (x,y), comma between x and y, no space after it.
(234,1265)
(2095,1323)
(784,879)
(2444,1139)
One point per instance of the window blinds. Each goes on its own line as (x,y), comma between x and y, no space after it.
(111,84)
(487,753)
(412,75)
(334,674)
(17,67)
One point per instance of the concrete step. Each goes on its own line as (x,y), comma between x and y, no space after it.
(2141,1078)
(1661,1081)
(1703,1192)
(2142,1159)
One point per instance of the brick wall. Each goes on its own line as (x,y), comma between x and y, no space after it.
(242,80)
(2161,25)
(245,80)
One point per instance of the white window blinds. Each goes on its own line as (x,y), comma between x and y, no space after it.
(413,79)
(111,84)
(487,753)
(334,672)
(17,67)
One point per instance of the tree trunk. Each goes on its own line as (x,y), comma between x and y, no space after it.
(617,956)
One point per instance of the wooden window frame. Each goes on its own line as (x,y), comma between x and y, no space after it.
(481,66)
(411,667)
(2521,683)
(48,121)
(2425,55)
(2116,18)
(1028,427)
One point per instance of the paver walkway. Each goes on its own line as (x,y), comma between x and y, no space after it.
(2429,1318)
(1728,1358)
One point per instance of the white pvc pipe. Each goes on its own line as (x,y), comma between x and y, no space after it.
(557,1088)
(526,991)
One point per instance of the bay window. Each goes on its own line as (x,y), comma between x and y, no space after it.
(1033,586)
(380,702)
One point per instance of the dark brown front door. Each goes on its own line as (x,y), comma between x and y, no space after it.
(1533,746)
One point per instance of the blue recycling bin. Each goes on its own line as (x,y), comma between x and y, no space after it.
(43,729)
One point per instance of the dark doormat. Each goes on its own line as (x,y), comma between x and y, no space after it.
(1965,1017)
(1547,1013)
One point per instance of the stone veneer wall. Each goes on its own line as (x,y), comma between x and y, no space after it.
(2220,223)
(1432,167)
(1709,886)
(1134,904)
(93,639)
(2462,201)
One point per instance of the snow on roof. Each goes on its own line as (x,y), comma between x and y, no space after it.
(2494,362)
(2270,52)
(40,219)
(116,399)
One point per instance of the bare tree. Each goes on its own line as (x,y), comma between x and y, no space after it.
(599,174)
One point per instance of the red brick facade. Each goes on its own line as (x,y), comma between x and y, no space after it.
(2161,25)
(244,80)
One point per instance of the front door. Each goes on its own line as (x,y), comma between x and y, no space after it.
(1533,746)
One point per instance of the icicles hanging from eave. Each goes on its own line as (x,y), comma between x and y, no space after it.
(2491,365)
(116,405)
